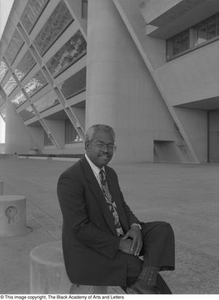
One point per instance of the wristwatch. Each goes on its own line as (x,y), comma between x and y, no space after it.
(136,224)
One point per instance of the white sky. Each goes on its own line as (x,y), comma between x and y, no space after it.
(5,7)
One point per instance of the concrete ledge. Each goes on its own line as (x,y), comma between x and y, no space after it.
(50,158)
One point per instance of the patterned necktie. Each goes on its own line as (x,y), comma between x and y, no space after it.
(110,202)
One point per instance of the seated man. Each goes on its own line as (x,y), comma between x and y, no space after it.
(102,239)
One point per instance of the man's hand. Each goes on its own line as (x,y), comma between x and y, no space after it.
(135,237)
(125,246)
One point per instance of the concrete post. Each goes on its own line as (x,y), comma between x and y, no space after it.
(116,85)
(13,215)
(48,274)
(47,270)
(103,62)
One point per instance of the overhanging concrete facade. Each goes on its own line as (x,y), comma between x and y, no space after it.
(68,64)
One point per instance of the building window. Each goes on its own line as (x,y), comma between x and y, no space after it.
(71,135)
(84,9)
(27,113)
(31,13)
(3,113)
(47,140)
(10,86)
(14,47)
(199,34)
(74,85)
(35,84)
(73,50)
(2,100)
(59,20)
(3,70)
(25,65)
(18,99)
(47,101)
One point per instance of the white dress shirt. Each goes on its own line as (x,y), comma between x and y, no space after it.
(95,169)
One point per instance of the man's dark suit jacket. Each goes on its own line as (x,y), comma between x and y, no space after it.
(90,242)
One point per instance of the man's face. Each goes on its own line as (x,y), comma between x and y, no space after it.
(99,150)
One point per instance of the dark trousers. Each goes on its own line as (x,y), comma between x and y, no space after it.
(158,250)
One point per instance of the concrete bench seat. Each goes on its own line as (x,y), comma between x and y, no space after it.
(48,274)
(13,215)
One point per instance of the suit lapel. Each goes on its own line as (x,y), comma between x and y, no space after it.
(98,194)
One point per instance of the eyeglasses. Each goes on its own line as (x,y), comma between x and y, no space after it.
(102,146)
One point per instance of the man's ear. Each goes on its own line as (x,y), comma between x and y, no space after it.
(87,143)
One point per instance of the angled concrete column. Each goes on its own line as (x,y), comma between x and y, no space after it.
(13,215)
(116,89)
(103,62)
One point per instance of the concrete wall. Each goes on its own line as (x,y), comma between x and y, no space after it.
(214,136)
(151,9)
(120,90)
(2,148)
(195,123)
(191,77)
(17,137)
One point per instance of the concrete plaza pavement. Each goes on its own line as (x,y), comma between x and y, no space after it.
(185,195)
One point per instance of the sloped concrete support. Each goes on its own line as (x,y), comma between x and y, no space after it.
(17,136)
(57,129)
(128,11)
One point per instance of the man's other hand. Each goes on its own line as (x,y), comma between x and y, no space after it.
(134,234)
(125,246)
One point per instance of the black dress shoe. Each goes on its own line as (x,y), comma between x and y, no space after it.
(140,288)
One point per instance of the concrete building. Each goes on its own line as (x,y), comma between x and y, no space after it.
(149,68)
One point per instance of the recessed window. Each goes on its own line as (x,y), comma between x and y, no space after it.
(71,135)
(27,113)
(35,84)
(18,99)
(59,20)
(212,27)
(3,70)
(14,47)
(201,33)
(31,13)
(1,99)
(197,35)
(74,85)
(10,85)
(84,9)
(3,113)
(47,101)
(47,140)
(25,65)
(68,54)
